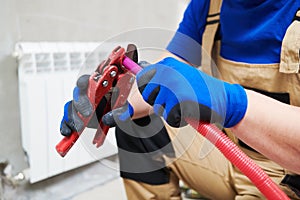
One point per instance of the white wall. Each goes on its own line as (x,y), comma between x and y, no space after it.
(64,20)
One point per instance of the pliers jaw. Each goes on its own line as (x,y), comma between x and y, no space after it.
(116,98)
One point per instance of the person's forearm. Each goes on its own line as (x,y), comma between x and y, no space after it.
(141,107)
(272,128)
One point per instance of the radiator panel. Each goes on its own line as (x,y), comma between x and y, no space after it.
(47,75)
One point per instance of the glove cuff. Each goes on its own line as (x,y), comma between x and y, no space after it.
(237,103)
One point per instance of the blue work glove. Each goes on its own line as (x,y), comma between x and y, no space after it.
(177,91)
(80,103)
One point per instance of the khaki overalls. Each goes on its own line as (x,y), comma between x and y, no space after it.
(203,167)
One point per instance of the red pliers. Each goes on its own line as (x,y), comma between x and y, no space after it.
(102,82)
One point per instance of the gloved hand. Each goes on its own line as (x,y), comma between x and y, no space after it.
(80,103)
(177,91)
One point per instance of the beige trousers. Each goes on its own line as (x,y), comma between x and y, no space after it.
(204,168)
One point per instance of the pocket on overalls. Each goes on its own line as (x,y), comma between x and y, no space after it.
(290,50)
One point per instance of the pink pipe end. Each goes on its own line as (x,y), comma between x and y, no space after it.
(131,65)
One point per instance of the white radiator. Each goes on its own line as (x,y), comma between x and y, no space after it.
(47,75)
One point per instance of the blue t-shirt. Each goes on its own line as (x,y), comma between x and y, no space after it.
(251,31)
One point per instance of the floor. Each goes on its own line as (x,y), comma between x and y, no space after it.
(66,186)
(111,190)
(95,181)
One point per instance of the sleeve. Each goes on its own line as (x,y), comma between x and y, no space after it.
(187,41)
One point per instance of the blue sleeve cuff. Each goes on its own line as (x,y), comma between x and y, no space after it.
(186,48)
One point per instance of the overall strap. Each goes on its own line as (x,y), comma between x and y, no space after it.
(213,21)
